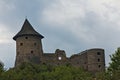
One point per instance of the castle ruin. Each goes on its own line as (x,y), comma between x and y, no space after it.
(29,49)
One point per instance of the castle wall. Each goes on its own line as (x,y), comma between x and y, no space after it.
(57,58)
(49,58)
(79,60)
(92,60)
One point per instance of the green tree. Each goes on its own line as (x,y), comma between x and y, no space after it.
(114,67)
(103,76)
(28,71)
(115,61)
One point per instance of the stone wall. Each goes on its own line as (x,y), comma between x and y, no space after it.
(57,58)
(92,60)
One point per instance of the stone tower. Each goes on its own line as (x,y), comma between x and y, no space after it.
(28,45)
(96,60)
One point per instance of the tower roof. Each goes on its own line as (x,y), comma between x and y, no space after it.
(27,30)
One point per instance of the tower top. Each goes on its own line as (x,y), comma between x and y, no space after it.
(27,30)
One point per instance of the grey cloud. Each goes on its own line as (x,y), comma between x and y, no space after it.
(72,25)
(7,54)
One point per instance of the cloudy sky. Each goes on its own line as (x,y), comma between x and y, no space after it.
(71,25)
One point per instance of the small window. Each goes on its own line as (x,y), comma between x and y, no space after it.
(98,60)
(26,37)
(35,44)
(31,51)
(21,44)
(99,66)
(98,53)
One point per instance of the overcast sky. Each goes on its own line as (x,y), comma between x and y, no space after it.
(71,25)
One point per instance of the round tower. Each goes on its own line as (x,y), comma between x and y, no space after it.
(96,60)
(28,45)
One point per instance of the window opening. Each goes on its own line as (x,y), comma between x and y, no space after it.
(26,37)
(99,66)
(31,51)
(59,58)
(21,44)
(98,60)
(98,53)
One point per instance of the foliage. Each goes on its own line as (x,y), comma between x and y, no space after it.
(115,64)
(28,71)
(103,76)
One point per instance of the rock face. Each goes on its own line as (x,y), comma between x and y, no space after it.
(29,49)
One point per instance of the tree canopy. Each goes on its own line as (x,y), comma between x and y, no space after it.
(115,61)
(28,71)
